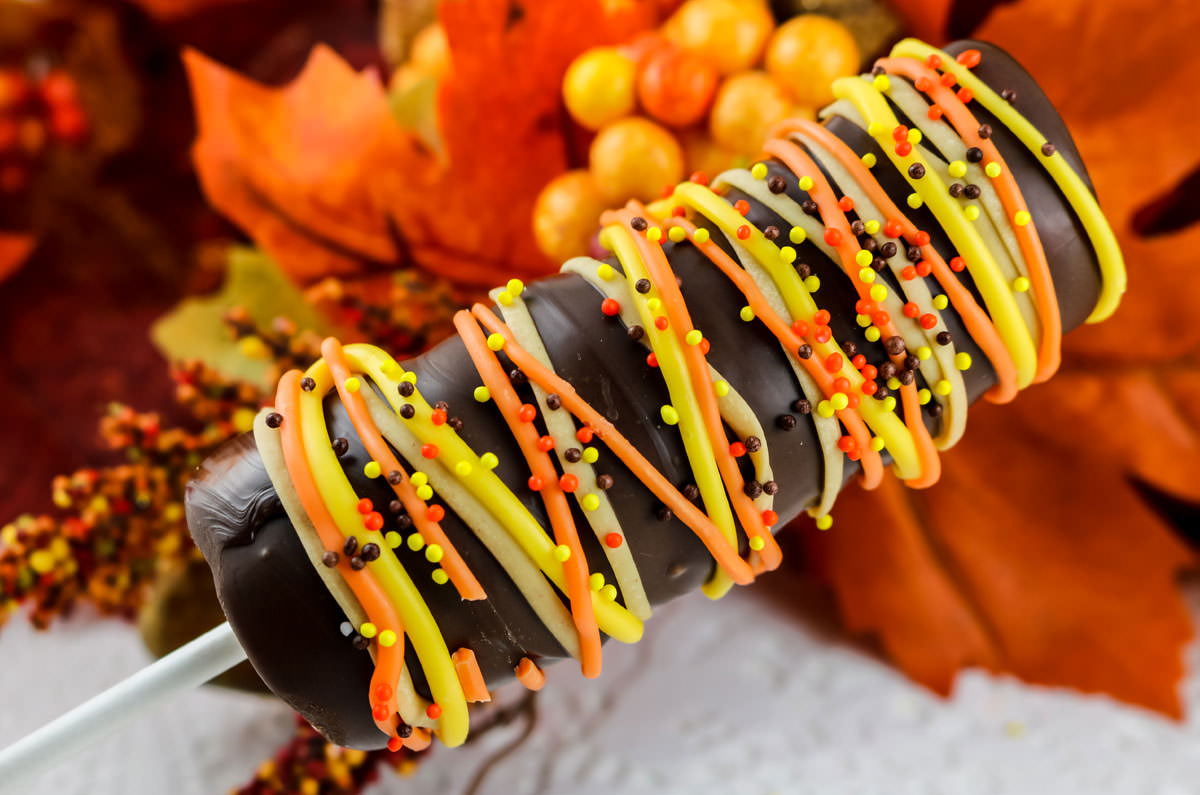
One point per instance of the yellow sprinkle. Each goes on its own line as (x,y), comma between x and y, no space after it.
(669,415)
(992,169)
(787,254)
(596,581)
(879,293)
(915,201)
(562,553)
(824,522)
(41,561)
(797,235)
(868,160)
(387,638)
(391,369)
(957,169)
(971,212)
(372,469)
(252,347)
(243,420)
(872,226)
(862,320)
(924,352)
(962,360)
(504,298)
(590,454)
(654,304)
(605,271)
(757,543)
(881,83)
(721,388)
(676,234)
(805,183)
(425,492)
(864,258)
(693,337)
(889,403)
(173,512)
(893,383)
(590,503)
(440,576)
(654,234)
(419,478)
(872,334)
(462,468)
(433,553)
(482,394)
(352,384)
(940,302)
(942,387)
(1021,284)
(1021,218)
(416,542)
(875,129)
(915,136)
(812,283)
(866,275)
(495,342)
(489,460)
(746,313)
(924,396)
(839,401)
(701,236)
(409,377)
(609,593)
(515,286)
(877,443)
(825,409)
(393,539)
(759,171)
(367,630)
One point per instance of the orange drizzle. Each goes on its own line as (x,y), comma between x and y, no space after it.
(389,662)
(528,674)
(737,569)
(680,322)
(800,164)
(467,667)
(967,126)
(872,464)
(561,521)
(456,568)
(976,320)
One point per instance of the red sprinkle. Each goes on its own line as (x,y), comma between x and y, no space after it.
(832,236)
(661,323)
(847,444)
(381,712)
(610,306)
(909,273)
(429,450)
(737,449)
(948,80)
(859,361)
(881,319)
(526,413)
(384,692)
(769,517)
(800,328)
(852,400)
(614,540)
(900,132)
(535,483)
(893,229)
(924,268)
(934,60)
(585,434)
(435,513)
(743,232)
(434,711)
(911,309)
(373,521)
(934,113)
(742,206)
(568,483)
(957,264)
(846,204)
(705,346)
(869,387)
(964,95)
(841,384)
(678,212)
(869,372)
(698,177)
(394,743)
(969,58)
(928,321)
(904,148)
(864,307)
(545,443)
(438,416)
(365,505)
(923,84)
(833,362)
(921,238)
(822,317)
(822,334)
(652,359)
(666,191)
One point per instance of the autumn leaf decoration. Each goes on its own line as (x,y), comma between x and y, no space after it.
(1038,553)
(324,179)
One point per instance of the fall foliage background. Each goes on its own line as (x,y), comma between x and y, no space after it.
(1053,547)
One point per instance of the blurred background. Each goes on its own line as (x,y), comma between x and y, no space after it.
(194,192)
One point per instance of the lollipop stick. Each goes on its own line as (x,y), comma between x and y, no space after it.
(187,667)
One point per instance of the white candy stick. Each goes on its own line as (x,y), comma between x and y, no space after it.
(189,666)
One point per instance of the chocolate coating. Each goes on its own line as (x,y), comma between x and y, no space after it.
(278,605)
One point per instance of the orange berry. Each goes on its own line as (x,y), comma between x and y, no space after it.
(729,34)
(807,53)
(567,214)
(676,86)
(633,159)
(598,87)
(746,107)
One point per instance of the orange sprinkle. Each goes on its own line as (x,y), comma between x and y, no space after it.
(528,674)
(467,667)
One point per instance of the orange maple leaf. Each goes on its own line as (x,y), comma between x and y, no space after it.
(320,175)
(1037,554)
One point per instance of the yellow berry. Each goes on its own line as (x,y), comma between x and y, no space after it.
(598,87)
(729,34)
(633,159)
(807,53)
(748,104)
(567,214)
